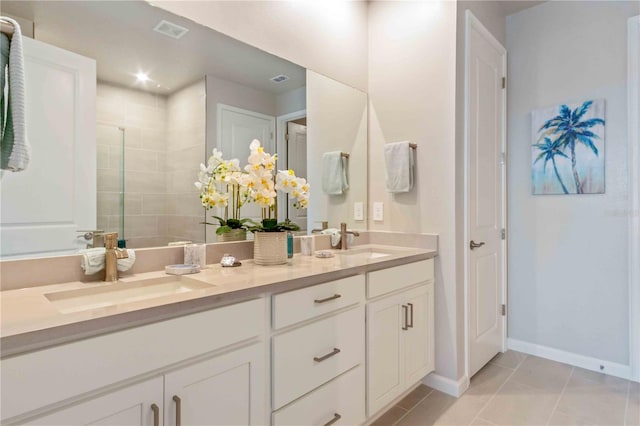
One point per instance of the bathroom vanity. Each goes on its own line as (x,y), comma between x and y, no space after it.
(316,341)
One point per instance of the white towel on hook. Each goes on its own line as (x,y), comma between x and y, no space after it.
(92,260)
(400,165)
(334,173)
(15,150)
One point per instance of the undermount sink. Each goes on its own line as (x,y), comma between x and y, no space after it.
(120,293)
(367,253)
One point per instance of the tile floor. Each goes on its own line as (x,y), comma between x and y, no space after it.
(519,389)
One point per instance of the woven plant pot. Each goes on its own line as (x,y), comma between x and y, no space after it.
(233,235)
(270,248)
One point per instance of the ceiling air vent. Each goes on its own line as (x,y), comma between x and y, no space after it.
(170,29)
(279,78)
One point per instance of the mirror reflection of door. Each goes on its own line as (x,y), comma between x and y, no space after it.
(236,129)
(296,139)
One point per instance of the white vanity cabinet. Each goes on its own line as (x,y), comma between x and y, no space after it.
(223,390)
(400,332)
(204,368)
(318,354)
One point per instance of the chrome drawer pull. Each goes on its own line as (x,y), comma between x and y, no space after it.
(335,351)
(335,418)
(156,414)
(328,299)
(405,326)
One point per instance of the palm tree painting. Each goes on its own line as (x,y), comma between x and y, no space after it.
(568,149)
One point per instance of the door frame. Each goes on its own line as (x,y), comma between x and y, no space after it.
(472,22)
(633,99)
(281,148)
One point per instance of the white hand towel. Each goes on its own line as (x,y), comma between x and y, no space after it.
(126,263)
(398,158)
(15,149)
(335,237)
(92,260)
(334,173)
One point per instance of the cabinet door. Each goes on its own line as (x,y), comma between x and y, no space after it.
(130,406)
(417,350)
(384,367)
(225,390)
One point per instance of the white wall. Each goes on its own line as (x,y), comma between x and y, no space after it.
(329,37)
(568,254)
(412,71)
(337,121)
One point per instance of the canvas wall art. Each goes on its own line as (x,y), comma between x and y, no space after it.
(568,148)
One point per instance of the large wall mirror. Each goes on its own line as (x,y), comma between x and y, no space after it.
(125,100)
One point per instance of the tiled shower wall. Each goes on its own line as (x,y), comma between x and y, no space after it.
(186,139)
(143,117)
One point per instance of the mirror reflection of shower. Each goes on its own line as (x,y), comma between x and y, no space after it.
(110,144)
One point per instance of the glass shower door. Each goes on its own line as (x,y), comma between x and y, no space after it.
(111,186)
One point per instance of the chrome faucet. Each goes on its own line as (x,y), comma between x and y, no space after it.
(111,256)
(325,225)
(343,236)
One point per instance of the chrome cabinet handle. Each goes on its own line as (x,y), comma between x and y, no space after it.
(410,306)
(405,326)
(335,418)
(178,402)
(334,352)
(156,414)
(474,245)
(328,299)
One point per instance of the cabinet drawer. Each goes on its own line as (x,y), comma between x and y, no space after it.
(343,397)
(307,357)
(392,279)
(299,305)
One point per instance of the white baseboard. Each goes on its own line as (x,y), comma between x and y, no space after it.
(446,385)
(577,360)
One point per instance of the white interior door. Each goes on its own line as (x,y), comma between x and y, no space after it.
(236,129)
(44,206)
(485,109)
(297,160)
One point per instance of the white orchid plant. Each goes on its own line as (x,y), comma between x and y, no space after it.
(223,182)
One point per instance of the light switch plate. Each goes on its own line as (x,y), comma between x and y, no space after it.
(358,210)
(378,211)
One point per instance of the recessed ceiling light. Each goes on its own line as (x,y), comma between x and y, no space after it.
(142,77)
(170,29)
(279,78)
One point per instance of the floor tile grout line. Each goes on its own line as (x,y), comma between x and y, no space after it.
(626,407)
(412,408)
(564,388)
(486,404)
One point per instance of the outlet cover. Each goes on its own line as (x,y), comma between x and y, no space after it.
(358,210)
(378,211)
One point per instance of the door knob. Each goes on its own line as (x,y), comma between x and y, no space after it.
(474,245)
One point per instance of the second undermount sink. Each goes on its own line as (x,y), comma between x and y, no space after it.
(120,293)
(367,253)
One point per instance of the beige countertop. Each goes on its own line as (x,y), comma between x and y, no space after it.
(29,321)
